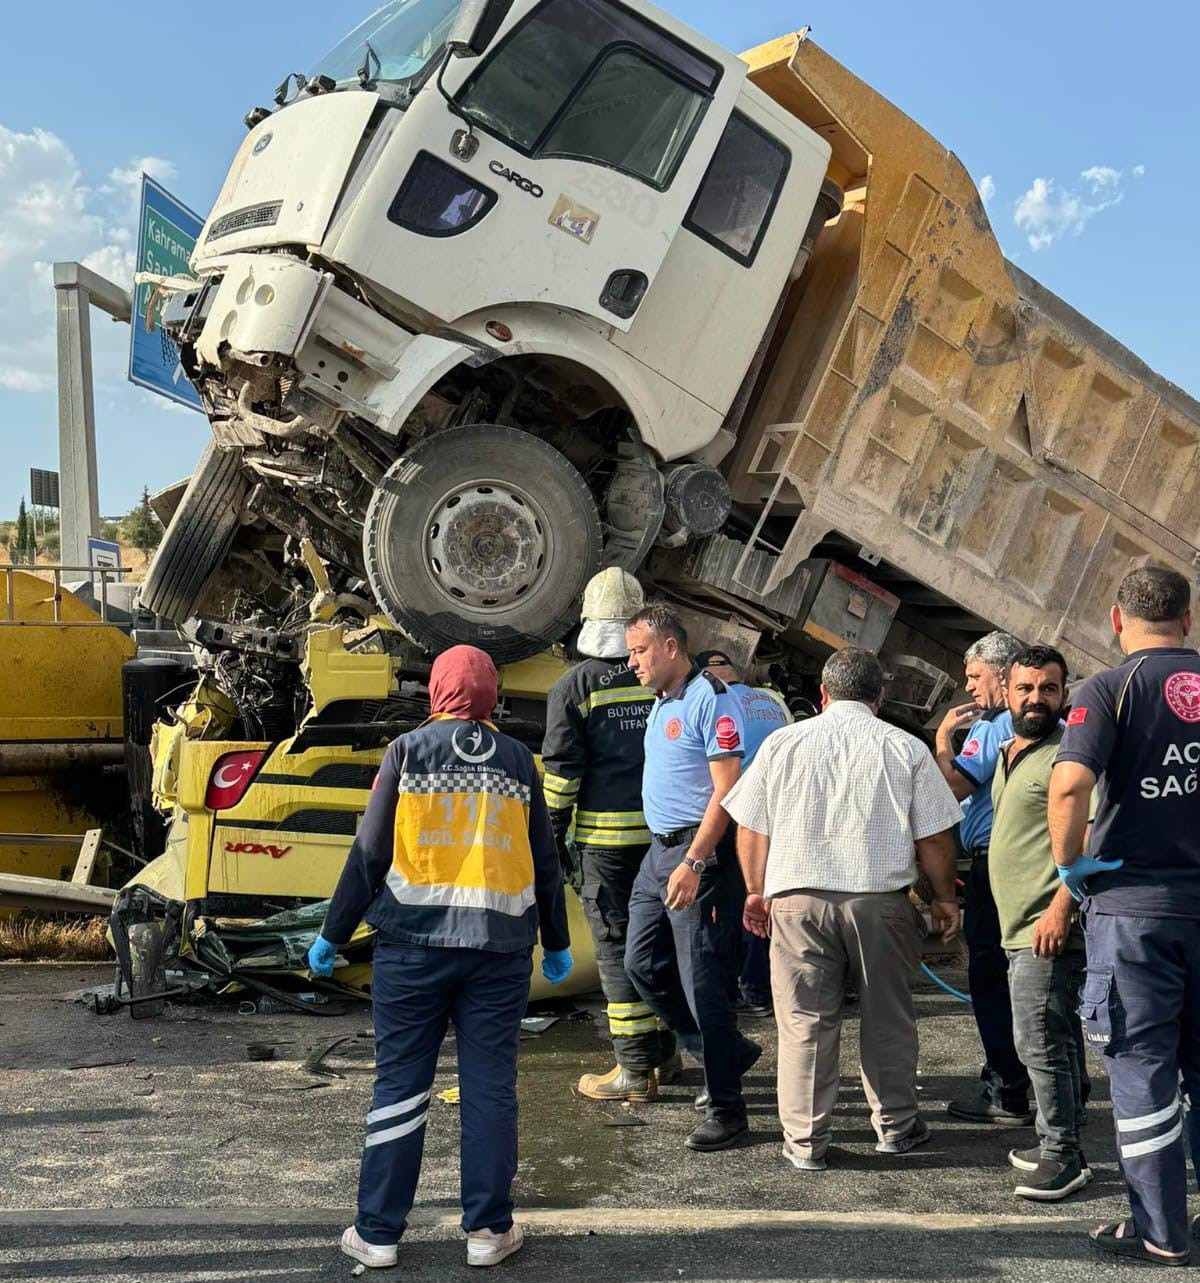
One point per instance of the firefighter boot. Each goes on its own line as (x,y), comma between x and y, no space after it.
(618,1084)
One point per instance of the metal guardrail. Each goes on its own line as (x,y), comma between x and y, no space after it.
(105,573)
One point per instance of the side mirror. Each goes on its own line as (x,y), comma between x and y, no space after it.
(475,26)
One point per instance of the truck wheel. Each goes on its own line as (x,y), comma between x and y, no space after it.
(195,543)
(482,535)
(148,966)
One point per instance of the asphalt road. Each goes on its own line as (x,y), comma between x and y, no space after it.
(190,1161)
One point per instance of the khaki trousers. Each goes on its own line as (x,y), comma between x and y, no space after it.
(819,940)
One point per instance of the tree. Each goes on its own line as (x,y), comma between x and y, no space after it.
(22,548)
(142,528)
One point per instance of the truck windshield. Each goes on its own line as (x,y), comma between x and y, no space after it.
(396,42)
(590,80)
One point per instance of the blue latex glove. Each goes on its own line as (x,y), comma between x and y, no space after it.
(321,956)
(1076,875)
(557,965)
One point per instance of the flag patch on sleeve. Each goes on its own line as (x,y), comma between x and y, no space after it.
(1077,717)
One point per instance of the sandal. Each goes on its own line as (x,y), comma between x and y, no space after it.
(1120,1238)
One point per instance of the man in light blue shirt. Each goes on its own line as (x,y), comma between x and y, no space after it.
(763,713)
(1002,1093)
(685,912)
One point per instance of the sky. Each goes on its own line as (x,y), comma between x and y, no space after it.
(1078,121)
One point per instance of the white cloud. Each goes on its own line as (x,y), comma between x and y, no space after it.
(18,380)
(1101,177)
(1047,212)
(49,213)
(987,188)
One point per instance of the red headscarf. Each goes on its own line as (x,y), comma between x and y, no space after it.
(462,683)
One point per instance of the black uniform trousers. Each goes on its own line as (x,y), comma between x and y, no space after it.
(684,961)
(1004,1077)
(609,872)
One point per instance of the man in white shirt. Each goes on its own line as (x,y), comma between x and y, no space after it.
(835,816)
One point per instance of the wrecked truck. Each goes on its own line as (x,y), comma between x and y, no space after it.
(504,291)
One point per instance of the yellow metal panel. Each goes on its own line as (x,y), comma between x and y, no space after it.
(333,673)
(58,681)
(35,805)
(532,678)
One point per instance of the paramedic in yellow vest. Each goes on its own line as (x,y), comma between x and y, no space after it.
(455,867)
(592,757)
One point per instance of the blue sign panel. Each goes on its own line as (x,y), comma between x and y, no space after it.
(103,552)
(167,233)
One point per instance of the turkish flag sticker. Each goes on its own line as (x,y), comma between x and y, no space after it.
(727,734)
(1077,717)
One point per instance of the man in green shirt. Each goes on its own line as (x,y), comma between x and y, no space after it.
(1039,928)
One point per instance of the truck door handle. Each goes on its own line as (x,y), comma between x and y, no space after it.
(623,292)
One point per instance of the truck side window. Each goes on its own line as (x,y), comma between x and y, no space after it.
(733,207)
(588,80)
(436,199)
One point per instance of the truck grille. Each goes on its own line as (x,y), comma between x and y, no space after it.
(266,215)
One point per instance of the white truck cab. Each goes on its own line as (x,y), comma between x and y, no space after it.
(533,245)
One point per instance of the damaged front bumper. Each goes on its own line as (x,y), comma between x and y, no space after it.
(153,934)
(266,318)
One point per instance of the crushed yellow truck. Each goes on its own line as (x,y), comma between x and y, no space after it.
(260,830)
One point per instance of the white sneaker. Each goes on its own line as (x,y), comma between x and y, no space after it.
(803,1164)
(375,1256)
(486,1247)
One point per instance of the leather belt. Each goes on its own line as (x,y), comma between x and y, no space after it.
(677,837)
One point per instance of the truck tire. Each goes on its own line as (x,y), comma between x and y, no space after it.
(195,543)
(482,535)
(148,967)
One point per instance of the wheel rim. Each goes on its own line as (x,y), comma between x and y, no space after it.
(487,544)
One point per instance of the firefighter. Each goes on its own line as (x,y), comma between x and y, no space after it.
(592,758)
(454,866)
(1134,734)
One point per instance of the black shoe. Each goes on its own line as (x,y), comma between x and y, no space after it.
(714,1134)
(1052,1180)
(979,1107)
(1028,1160)
(755,1007)
(750,1054)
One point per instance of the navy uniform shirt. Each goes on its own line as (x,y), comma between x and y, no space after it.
(977,760)
(698,722)
(1137,728)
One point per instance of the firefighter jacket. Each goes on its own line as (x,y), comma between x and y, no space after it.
(455,848)
(592,755)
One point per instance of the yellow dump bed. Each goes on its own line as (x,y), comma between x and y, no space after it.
(927,400)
